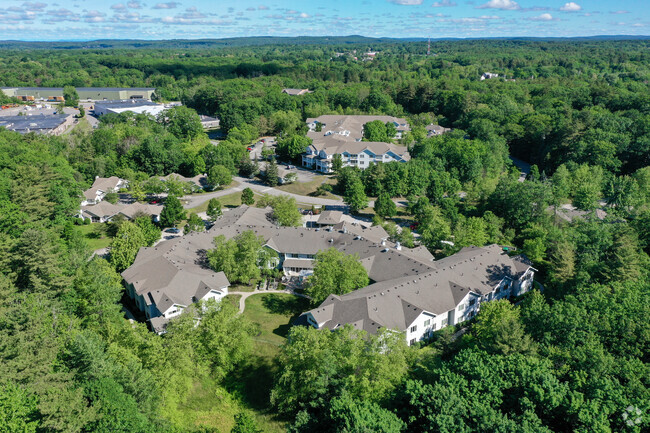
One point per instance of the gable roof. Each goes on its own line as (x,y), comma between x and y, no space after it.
(396,302)
(104,184)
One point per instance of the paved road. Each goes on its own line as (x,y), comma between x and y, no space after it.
(523,167)
(244,295)
(197,200)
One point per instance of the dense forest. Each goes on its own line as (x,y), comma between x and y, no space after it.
(573,358)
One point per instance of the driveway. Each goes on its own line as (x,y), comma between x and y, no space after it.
(523,167)
(192,201)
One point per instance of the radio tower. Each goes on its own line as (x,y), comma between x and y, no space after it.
(429,47)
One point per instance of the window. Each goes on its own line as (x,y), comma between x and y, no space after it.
(414,328)
(461,307)
(434,326)
(444,322)
(472,302)
(427,322)
(412,342)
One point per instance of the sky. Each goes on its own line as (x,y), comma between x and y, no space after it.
(195,19)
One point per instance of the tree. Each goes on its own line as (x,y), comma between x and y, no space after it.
(290,178)
(285,211)
(111,197)
(149,230)
(172,212)
(292,146)
(125,245)
(247,197)
(355,196)
(18,410)
(271,173)
(498,329)
(182,122)
(316,367)
(194,224)
(219,176)
(376,131)
(214,209)
(337,162)
(245,423)
(335,273)
(238,257)
(71,96)
(385,207)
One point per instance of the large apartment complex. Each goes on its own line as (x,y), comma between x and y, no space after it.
(342,135)
(448,292)
(410,292)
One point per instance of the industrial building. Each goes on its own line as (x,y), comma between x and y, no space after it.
(85,93)
(52,124)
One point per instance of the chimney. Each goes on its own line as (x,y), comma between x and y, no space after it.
(398,246)
(383,242)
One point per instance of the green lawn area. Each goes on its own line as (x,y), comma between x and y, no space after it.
(234,299)
(93,239)
(241,288)
(249,387)
(272,313)
(307,188)
(230,201)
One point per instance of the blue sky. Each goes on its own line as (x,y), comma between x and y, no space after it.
(193,19)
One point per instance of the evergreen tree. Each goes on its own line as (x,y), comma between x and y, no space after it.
(172,212)
(271,173)
(214,209)
(247,197)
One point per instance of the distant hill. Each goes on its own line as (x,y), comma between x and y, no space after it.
(269,40)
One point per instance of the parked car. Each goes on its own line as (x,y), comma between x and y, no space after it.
(290,167)
(153,202)
(173,230)
(250,149)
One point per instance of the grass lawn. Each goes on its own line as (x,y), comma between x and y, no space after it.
(272,313)
(93,239)
(248,388)
(234,299)
(241,288)
(307,188)
(229,201)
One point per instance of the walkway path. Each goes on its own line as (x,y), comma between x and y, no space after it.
(244,295)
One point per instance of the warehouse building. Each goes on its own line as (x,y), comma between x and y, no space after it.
(85,93)
(52,124)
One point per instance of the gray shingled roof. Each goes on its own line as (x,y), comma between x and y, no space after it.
(395,303)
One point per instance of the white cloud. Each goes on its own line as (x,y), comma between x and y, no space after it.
(506,5)
(134,4)
(118,7)
(34,6)
(444,3)
(263,8)
(304,15)
(406,2)
(168,5)
(543,17)
(619,12)
(571,7)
